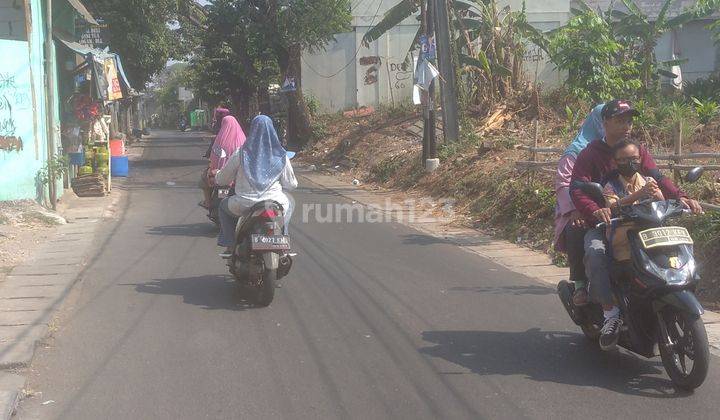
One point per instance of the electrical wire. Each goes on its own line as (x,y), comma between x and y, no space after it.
(354,56)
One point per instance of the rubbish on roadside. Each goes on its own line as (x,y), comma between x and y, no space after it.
(48,402)
(356,182)
(90,185)
(312,168)
(360,112)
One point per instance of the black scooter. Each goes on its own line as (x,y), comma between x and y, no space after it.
(261,256)
(219,193)
(655,291)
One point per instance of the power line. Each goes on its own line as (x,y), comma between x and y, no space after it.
(352,60)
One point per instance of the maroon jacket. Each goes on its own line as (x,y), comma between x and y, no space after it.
(595,164)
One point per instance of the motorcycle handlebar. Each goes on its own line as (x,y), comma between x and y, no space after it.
(619,219)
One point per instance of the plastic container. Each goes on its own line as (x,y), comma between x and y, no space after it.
(119,166)
(117,147)
(77,159)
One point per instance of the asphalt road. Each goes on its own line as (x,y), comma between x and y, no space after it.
(374,321)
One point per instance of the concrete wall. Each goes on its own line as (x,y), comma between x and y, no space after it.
(348,75)
(692,42)
(12,20)
(22,80)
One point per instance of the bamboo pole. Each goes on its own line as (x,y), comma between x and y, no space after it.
(678,150)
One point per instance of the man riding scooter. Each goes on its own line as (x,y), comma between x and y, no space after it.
(594,164)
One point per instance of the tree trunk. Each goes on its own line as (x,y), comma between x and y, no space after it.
(299,130)
(241,102)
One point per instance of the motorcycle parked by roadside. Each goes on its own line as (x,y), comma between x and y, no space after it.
(655,290)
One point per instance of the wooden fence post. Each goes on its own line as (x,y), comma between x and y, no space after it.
(678,138)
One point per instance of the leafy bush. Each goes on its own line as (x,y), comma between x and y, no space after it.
(706,109)
(586,48)
(703,89)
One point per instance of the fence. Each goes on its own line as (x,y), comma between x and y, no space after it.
(675,160)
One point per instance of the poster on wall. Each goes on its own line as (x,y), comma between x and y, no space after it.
(111,74)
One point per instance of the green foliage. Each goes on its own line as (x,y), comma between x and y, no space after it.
(386,169)
(572,119)
(313,105)
(139,31)
(587,50)
(706,109)
(642,32)
(704,88)
(54,168)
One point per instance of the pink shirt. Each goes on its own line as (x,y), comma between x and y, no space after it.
(564,205)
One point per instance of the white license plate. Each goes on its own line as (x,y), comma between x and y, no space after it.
(665,236)
(269,242)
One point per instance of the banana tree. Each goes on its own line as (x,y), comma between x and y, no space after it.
(636,25)
(493,42)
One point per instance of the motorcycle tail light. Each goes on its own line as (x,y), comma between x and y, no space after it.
(639,283)
(268,214)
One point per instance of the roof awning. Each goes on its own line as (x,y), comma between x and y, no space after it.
(83,11)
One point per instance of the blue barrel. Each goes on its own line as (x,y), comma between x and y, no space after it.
(77,159)
(119,165)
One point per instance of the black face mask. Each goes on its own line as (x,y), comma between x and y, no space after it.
(629,169)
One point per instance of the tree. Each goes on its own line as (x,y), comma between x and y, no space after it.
(636,25)
(140,32)
(594,59)
(233,60)
(289,29)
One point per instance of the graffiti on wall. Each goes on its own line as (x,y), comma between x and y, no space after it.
(372,73)
(402,74)
(9,98)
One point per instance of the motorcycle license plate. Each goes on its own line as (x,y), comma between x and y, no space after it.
(665,236)
(269,242)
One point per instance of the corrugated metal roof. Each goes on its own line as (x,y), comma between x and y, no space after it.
(83,11)
(649,7)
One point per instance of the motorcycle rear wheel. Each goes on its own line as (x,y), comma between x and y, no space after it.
(266,290)
(689,341)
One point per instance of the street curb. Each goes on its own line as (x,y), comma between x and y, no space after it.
(535,265)
(35,289)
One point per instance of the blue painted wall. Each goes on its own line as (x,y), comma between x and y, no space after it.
(23,115)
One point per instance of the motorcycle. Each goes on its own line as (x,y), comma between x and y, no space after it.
(655,290)
(219,193)
(261,256)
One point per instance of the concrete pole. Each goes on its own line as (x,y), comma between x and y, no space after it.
(50,102)
(448,83)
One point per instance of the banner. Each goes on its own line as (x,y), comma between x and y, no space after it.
(111,74)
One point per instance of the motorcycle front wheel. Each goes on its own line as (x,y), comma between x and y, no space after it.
(685,352)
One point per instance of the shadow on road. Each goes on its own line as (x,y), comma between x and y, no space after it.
(196,230)
(550,356)
(207,292)
(508,290)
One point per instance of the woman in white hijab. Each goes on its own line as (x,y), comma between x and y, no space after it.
(261,170)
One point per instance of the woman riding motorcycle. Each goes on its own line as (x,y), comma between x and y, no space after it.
(230,138)
(260,170)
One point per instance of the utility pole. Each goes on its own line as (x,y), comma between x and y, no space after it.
(50,103)
(448,83)
(430,160)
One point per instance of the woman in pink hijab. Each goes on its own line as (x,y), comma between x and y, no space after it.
(229,139)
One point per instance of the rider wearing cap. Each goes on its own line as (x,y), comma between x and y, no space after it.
(595,164)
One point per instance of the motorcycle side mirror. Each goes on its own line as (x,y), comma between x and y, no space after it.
(594,190)
(694,174)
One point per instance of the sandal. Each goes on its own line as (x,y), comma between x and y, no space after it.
(203,205)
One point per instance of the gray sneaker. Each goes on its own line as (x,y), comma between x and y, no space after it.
(610,333)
